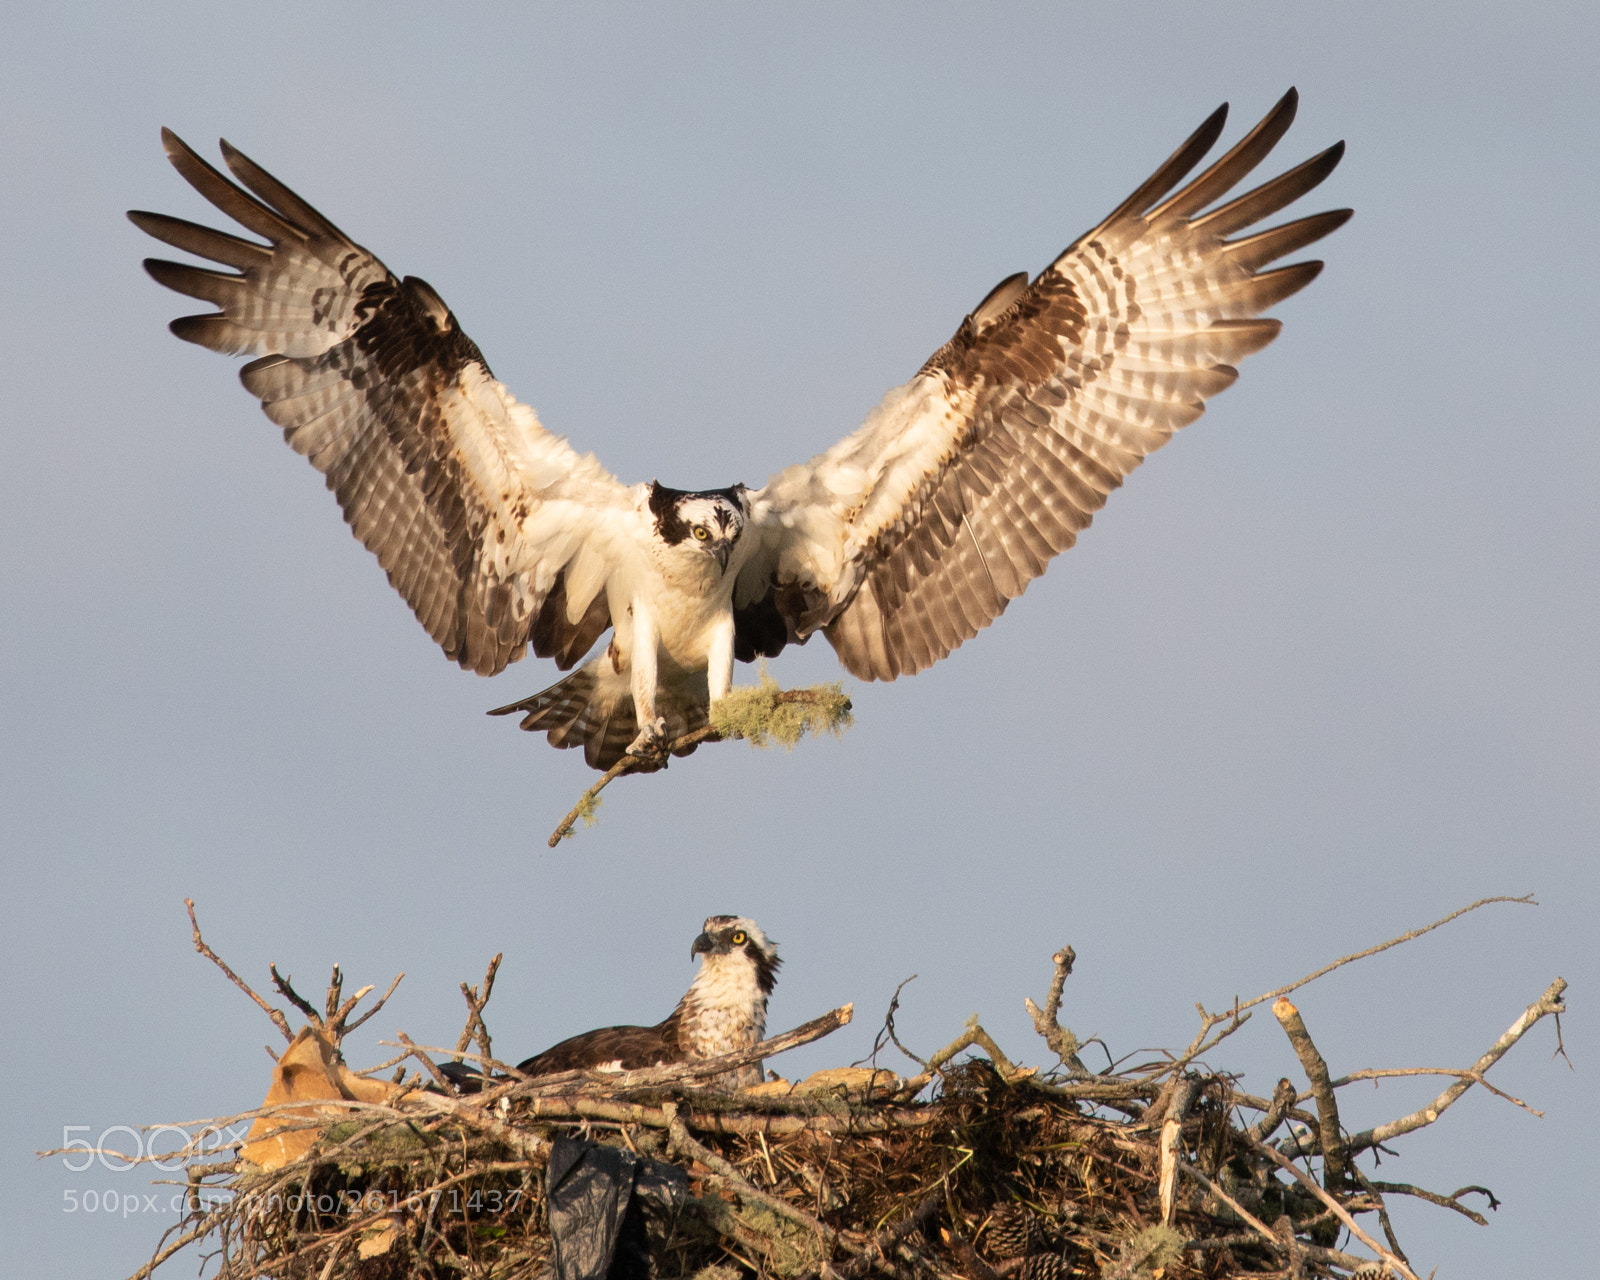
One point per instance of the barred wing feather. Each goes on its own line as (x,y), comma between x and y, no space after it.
(908,537)
(496,533)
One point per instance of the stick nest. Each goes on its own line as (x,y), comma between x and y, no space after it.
(974,1167)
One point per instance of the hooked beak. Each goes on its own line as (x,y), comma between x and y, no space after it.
(722,551)
(702,944)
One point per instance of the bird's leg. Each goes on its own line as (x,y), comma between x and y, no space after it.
(651,739)
(719,665)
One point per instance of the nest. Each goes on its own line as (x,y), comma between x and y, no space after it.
(973,1167)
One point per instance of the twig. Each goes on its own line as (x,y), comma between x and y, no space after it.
(382,1000)
(968,1259)
(1525,900)
(973,1035)
(835,709)
(628,764)
(887,1032)
(679,1139)
(1245,1215)
(475,1006)
(890,1237)
(439,1078)
(278,1020)
(1047,1023)
(1197,1047)
(1448,1202)
(1476,1077)
(1383,1212)
(201,1229)
(1333,1153)
(1343,1214)
(293,996)
(335,994)
(1547,1004)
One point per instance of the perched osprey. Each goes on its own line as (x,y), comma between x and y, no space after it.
(724,1009)
(898,543)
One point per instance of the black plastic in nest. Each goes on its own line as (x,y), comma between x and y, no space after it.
(598,1198)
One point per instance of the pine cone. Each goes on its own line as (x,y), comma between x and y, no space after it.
(1012,1231)
(1044,1266)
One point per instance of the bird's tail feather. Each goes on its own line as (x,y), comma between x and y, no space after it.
(593,709)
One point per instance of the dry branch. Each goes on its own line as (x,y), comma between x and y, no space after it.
(476,1000)
(1333,1153)
(278,1020)
(1526,900)
(1547,1005)
(1172,1144)
(1343,1214)
(1046,1021)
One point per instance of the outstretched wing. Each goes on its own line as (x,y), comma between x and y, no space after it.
(913,534)
(496,532)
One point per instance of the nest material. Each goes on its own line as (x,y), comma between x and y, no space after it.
(761,714)
(997,1177)
(974,1168)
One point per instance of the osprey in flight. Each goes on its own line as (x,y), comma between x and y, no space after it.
(724,1009)
(898,543)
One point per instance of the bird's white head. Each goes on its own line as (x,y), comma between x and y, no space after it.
(736,951)
(708,522)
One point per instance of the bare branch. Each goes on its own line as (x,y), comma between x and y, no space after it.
(1452,1201)
(1525,900)
(439,1078)
(293,996)
(1334,1163)
(335,994)
(1047,1023)
(278,1019)
(1245,1215)
(973,1035)
(1343,1214)
(1545,1006)
(475,1006)
(589,801)
(382,1000)
(620,1082)
(1476,1077)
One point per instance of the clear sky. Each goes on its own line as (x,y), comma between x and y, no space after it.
(1323,671)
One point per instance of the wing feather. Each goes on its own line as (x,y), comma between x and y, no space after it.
(495,532)
(910,536)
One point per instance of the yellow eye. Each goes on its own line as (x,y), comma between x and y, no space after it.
(700,533)
(738,939)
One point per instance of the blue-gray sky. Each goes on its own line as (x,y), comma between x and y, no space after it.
(1323,671)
